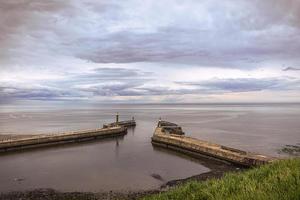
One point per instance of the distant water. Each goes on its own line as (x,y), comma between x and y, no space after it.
(127,163)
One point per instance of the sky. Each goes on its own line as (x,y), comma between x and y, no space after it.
(167,51)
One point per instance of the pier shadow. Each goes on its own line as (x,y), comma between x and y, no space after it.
(217,167)
(206,161)
(131,130)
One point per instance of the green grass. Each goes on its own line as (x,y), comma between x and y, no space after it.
(277,181)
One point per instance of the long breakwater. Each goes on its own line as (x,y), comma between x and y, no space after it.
(111,130)
(171,136)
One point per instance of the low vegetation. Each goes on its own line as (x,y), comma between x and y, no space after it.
(277,181)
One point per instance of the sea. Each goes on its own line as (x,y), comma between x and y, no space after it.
(131,163)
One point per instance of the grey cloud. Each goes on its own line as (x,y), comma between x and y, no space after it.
(214,86)
(242,85)
(36,93)
(136,90)
(123,73)
(106,75)
(47,35)
(245,84)
(127,47)
(278,12)
(146,91)
(99,82)
(127,88)
(232,40)
(116,89)
(291,69)
(105,31)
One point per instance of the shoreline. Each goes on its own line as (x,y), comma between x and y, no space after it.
(218,169)
(48,193)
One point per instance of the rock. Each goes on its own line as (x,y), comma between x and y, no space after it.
(19,179)
(157,176)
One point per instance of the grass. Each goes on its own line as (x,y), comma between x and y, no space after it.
(277,181)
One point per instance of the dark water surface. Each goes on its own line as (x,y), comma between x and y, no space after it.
(126,163)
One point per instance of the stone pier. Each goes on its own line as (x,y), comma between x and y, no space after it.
(114,129)
(171,136)
(62,138)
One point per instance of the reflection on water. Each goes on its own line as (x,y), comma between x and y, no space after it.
(129,162)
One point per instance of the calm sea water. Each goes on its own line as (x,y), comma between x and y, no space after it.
(127,163)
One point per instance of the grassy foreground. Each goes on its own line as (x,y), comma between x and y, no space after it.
(277,181)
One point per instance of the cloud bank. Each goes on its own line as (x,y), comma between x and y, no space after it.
(149,50)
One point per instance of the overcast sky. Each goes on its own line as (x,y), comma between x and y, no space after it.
(150,51)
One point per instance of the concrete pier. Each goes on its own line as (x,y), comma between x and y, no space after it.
(173,138)
(68,137)
(126,123)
